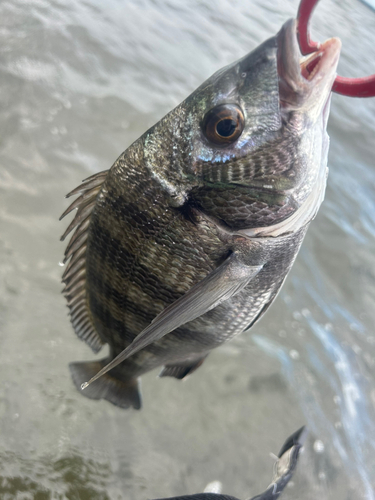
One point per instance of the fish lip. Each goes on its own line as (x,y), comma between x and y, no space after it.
(297,86)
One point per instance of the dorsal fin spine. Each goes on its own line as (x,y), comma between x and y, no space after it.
(80,218)
(72,269)
(74,276)
(77,311)
(79,253)
(77,276)
(75,243)
(72,300)
(76,306)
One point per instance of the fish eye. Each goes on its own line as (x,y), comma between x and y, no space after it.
(223,124)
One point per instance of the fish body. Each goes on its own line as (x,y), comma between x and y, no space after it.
(185,242)
(283,472)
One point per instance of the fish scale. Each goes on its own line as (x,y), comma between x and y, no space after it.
(185,242)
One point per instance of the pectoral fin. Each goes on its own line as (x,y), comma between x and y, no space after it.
(219,285)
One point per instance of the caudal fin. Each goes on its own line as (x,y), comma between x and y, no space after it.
(118,392)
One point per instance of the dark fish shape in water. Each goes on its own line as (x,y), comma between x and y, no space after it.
(185,242)
(283,471)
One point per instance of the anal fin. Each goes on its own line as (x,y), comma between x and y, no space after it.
(118,392)
(181,371)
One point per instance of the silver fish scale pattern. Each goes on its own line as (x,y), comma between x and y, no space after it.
(137,261)
(259,164)
(262,188)
(241,311)
(144,254)
(238,209)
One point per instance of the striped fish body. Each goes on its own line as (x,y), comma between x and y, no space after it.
(186,240)
(143,254)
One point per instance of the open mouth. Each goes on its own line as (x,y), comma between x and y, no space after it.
(300,77)
(311,65)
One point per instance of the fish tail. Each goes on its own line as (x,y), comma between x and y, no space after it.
(122,393)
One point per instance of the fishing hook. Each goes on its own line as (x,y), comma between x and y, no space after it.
(352,87)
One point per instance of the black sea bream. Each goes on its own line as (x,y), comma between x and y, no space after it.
(185,242)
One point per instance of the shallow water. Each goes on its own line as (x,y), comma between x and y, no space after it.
(79,82)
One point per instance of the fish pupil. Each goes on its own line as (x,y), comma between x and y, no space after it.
(226,127)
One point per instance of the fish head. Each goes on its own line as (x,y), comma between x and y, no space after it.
(253,139)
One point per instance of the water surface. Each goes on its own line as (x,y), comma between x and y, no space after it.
(79,82)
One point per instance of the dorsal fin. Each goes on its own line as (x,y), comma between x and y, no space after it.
(74,276)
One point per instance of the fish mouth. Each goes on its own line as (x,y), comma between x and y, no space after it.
(305,82)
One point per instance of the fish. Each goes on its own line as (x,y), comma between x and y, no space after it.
(185,241)
(283,472)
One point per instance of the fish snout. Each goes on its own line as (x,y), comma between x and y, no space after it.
(305,83)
